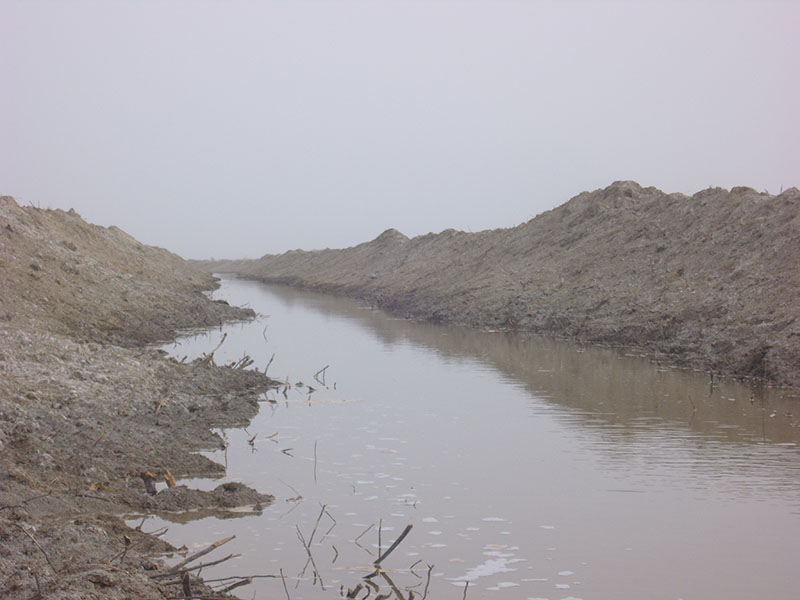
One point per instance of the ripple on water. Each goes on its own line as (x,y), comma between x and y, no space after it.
(499,562)
(502,585)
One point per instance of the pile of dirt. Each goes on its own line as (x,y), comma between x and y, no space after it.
(86,407)
(710,281)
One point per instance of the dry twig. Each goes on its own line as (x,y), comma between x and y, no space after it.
(196,567)
(310,558)
(208,359)
(269,363)
(33,539)
(427,582)
(360,535)
(197,555)
(233,586)
(315,461)
(322,370)
(396,543)
(285,589)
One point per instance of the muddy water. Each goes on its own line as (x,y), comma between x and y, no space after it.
(528,468)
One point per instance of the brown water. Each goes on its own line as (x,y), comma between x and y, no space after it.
(528,468)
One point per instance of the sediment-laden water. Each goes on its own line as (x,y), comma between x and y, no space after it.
(528,468)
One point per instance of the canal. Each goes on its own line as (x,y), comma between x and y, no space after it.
(527,468)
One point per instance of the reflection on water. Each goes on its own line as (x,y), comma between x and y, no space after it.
(601,383)
(528,468)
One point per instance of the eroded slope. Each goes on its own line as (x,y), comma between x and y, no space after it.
(710,281)
(85,407)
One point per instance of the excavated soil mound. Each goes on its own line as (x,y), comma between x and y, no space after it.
(86,407)
(710,281)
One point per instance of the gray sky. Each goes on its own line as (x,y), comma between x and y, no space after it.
(239,128)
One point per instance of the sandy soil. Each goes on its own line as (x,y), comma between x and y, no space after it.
(710,281)
(86,406)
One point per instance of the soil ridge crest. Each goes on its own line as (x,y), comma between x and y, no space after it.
(709,281)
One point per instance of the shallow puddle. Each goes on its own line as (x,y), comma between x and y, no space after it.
(528,468)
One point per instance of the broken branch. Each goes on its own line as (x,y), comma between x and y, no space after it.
(233,586)
(208,359)
(33,539)
(285,589)
(394,545)
(197,567)
(363,532)
(197,555)
(322,370)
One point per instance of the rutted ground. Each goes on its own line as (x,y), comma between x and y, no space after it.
(710,281)
(86,407)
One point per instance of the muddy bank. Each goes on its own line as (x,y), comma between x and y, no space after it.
(709,281)
(86,406)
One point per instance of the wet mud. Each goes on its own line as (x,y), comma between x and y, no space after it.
(92,415)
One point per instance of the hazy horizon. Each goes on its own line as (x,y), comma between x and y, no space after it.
(236,129)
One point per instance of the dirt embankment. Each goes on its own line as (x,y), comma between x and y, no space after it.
(710,281)
(86,407)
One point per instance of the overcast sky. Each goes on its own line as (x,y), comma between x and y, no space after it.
(239,128)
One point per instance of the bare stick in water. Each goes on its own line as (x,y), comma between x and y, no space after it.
(197,567)
(208,359)
(427,582)
(322,370)
(363,532)
(285,589)
(392,585)
(238,577)
(315,461)
(394,545)
(411,568)
(330,516)
(310,557)
(197,555)
(321,512)
(233,586)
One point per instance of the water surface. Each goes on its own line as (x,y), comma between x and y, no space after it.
(527,467)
